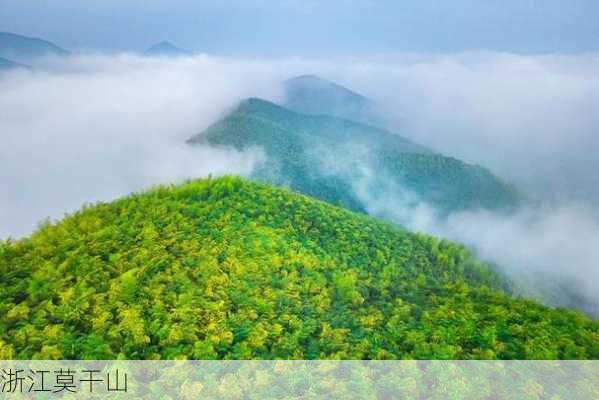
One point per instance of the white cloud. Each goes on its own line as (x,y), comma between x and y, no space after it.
(533,119)
(551,251)
(97,127)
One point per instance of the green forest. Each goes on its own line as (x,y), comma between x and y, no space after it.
(322,156)
(230,269)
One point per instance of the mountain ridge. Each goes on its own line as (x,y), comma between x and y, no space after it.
(25,49)
(6,64)
(325,156)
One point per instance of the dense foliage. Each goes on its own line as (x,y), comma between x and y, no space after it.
(448,182)
(229,269)
(326,157)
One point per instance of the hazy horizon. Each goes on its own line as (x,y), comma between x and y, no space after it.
(311,28)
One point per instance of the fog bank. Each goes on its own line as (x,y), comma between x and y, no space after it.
(97,127)
(531,119)
(550,251)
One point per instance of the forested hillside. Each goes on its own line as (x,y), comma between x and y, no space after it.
(225,268)
(325,157)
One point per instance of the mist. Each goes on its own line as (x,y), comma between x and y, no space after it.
(548,251)
(531,119)
(96,127)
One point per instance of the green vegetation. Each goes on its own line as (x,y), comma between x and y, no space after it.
(324,157)
(230,269)
(447,182)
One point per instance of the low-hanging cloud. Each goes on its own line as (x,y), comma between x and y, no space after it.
(96,127)
(549,250)
(531,119)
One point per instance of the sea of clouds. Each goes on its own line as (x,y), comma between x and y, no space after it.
(95,127)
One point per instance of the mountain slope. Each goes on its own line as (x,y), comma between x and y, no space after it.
(334,159)
(165,49)
(310,94)
(230,269)
(7,64)
(25,49)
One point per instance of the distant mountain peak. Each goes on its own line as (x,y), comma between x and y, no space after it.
(165,48)
(314,95)
(24,49)
(314,82)
(251,104)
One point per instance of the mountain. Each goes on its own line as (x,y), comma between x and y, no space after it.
(7,64)
(312,95)
(25,49)
(225,268)
(345,162)
(165,49)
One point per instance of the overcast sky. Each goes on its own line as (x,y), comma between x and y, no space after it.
(311,27)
